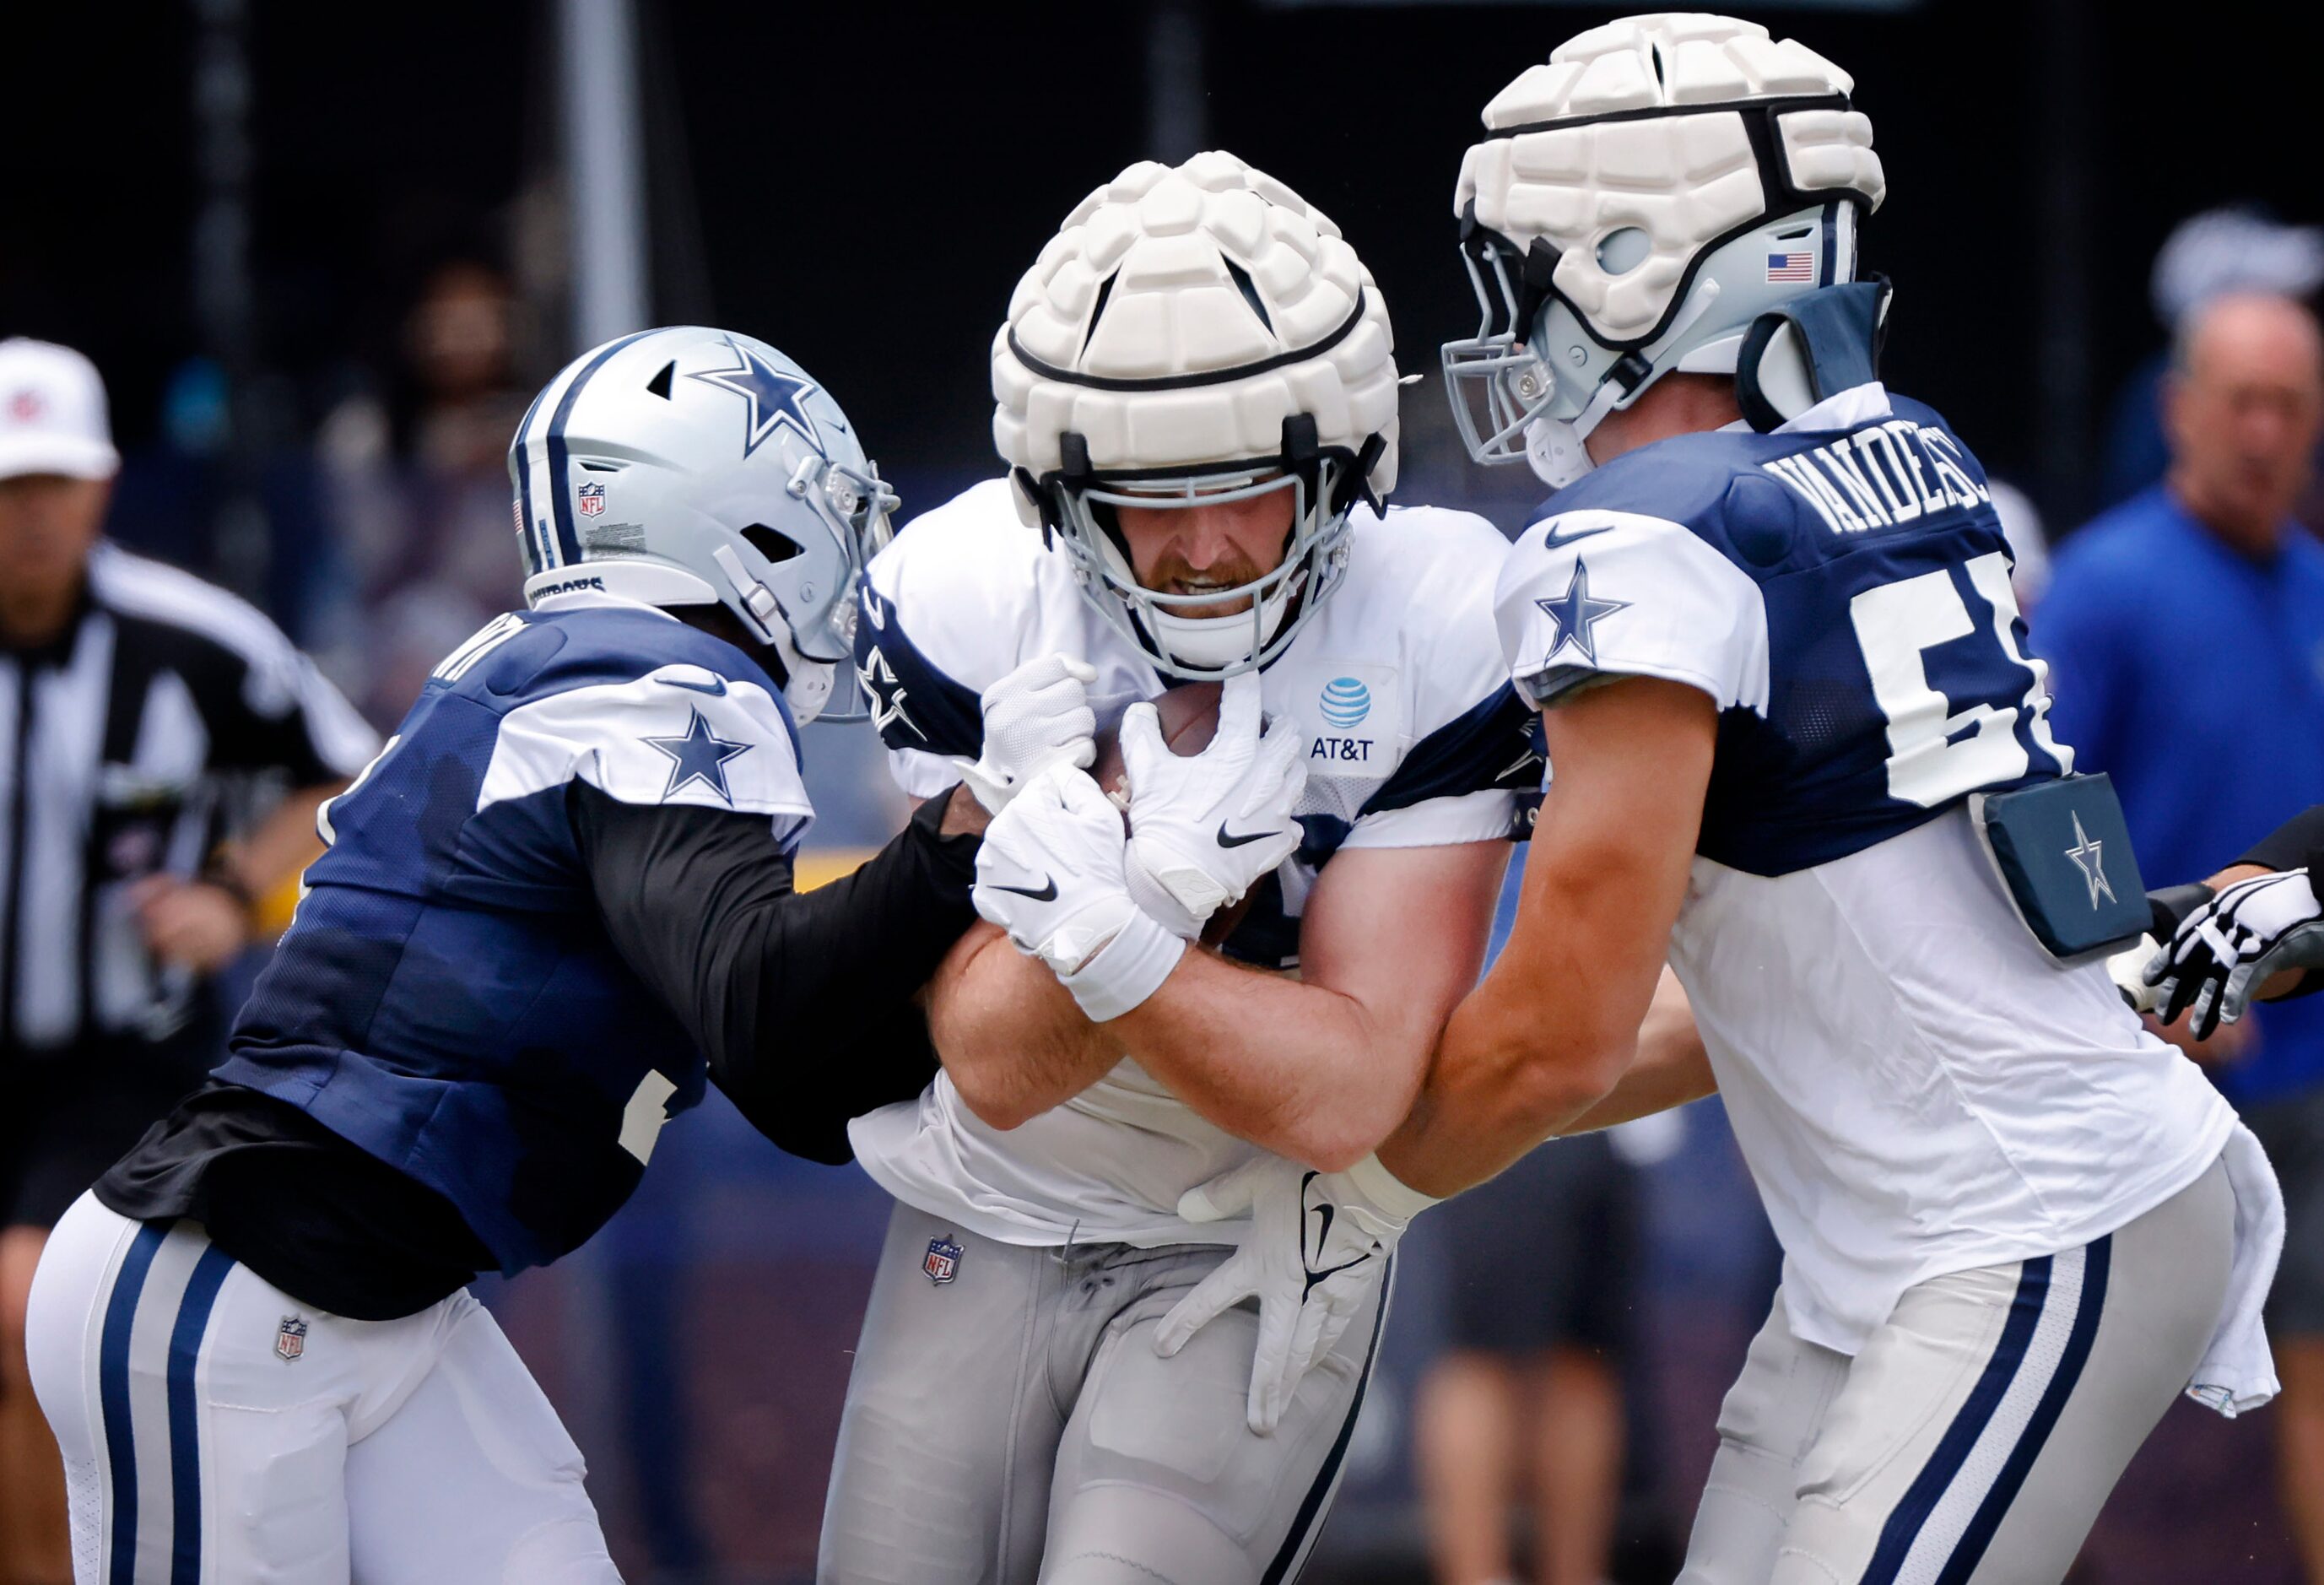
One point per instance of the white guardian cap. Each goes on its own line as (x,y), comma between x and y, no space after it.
(1195,336)
(1634,205)
(692,467)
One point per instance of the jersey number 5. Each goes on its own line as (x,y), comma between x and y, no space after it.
(1937,753)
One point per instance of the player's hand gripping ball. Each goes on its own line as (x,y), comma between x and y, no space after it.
(1210,798)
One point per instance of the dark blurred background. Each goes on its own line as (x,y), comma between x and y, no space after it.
(323,254)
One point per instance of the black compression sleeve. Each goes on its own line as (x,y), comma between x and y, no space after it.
(803,1002)
(2296,844)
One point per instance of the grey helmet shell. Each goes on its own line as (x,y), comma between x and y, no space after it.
(689,466)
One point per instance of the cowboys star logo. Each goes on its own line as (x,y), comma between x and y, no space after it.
(888,695)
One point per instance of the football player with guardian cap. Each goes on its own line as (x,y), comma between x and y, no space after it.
(1787,693)
(1197,404)
(563,885)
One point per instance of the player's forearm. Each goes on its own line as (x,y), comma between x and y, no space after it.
(1301,1070)
(1501,1083)
(1010,1035)
(803,1003)
(1671,1067)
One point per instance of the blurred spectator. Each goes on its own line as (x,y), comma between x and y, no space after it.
(1525,1407)
(2187,630)
(2206,256)
(137,706)
(418,485)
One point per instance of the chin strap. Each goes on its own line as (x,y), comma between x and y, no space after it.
(1814,346)
(1555,448)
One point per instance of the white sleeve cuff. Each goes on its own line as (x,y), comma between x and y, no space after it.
(1372,1180)
(1125,970)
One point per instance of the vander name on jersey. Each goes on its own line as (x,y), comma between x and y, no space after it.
(1873,477)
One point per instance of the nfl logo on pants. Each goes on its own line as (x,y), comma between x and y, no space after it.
(290,1338)
(941,1262)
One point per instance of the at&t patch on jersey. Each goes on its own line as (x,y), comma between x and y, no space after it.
(941,1262)
(1355,720)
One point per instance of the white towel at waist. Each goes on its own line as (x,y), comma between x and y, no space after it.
(2237,1372)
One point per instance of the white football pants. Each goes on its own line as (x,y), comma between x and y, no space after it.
(1007,1422)
(1975,1437)
(217,1432)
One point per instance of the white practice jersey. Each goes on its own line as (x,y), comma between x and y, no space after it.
(1416,739)
(1918,1087)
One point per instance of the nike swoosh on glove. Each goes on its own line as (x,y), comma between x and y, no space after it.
(1206,828)
(1049,872)
(1314,1257)
(1037,716)
(2233,944)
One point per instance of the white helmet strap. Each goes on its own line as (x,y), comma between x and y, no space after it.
(758,600)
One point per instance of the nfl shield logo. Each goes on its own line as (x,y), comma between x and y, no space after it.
(290,1338)
(943,1260)
(592,500)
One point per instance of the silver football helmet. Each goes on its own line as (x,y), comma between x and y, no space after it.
(693,466)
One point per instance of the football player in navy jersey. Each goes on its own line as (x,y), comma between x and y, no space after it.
(1789,704)
(558,900)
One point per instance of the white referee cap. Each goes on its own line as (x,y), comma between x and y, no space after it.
(53,413)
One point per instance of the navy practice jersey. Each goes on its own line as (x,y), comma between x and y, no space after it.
(1842,592)
(1918,1087)
(447,997)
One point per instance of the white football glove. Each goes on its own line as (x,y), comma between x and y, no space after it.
(1206,828)
(1037,716)
(1314,1256)
(2233,944)
(1049,872)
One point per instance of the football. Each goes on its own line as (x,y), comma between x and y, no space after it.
(1189,714)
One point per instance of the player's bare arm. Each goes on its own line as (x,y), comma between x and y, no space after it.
(1671,1067)
(1009,1034)
(1318,1068)
(1321,1068)
(1554,1026)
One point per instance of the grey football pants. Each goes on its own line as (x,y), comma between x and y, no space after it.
(1976,1435)
(1013,1424)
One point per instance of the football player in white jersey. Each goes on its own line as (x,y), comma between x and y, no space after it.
(1198,406)
(1767,620)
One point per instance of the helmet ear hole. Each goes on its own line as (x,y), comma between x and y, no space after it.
(1623,251)
(773,543)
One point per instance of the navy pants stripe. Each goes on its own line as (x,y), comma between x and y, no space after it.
(113,1399)
(1904,1526)
(2007,1485)
(2028,1309)
(185,1429)
(1304,1523)
(181,1404)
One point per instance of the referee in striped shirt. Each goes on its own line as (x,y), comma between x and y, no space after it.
(141,711)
